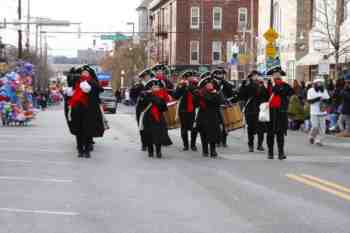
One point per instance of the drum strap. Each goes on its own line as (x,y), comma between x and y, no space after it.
(141,126)
(178,109)
(195,117)
(246,105)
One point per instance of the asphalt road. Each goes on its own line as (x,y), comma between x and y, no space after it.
(45,188)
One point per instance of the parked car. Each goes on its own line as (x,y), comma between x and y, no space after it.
(109,101)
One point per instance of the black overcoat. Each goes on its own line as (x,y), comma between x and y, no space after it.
(279,117)
(155,132)
(209,118)
(88,120)
(186,118)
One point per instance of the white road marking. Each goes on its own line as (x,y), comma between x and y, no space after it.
(38,212)
(33,150)
(35,162)
(49,180)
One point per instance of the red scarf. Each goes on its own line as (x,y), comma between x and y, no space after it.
(162,94)
(190,107)
(276,100)
(202,103)
(79,97)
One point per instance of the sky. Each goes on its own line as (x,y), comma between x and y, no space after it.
(95,15)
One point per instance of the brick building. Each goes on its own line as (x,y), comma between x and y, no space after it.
(199,32)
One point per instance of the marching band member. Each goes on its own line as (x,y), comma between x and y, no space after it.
(279,101)
(160,71)
(209,120)
(254,93)
(152,121)
(226,90)
(84,112)
(141,103)
(187,94)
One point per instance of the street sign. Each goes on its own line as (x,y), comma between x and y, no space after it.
(271,35)
(271,50)
(116,37)
(324,68)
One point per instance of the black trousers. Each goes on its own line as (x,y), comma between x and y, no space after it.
(142,137)
(150,148)
(184,136)
(255,128)
(82,142)
(271,141)
(205,144)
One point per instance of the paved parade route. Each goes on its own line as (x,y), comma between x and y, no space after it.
(46,188)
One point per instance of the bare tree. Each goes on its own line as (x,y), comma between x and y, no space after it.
(329,16)
(128,57)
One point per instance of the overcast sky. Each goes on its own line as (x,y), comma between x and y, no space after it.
(95,15)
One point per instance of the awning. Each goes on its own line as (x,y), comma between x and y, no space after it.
(310,59)
(315,58)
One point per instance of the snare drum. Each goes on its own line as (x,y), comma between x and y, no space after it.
(233,117)
(171,116)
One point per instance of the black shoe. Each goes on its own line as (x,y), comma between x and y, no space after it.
(194,148)
(214,154)
(150,155)
(144,148)
(185,148)
(205,154)
(159,155)
(270,155)
(81,155)
(90,147)
(87,155)
(261,148)
(251,149)
(281,155)
(224,145)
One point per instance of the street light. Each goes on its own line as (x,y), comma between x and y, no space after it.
(133,28)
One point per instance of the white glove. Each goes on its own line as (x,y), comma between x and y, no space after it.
(85,87)
(68,91)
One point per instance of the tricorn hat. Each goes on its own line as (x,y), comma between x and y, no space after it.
(276,69)
(204,75)
(146,72)
(154,82)
(207,80)
(253,73)
(219,73)
(189,73)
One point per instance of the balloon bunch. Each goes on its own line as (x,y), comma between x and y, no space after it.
(16,100)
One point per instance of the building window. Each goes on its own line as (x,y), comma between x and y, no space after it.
(195,17)
(217,18)
(314,13)
(291,70)
(217,52)
(194,50)
(242,19)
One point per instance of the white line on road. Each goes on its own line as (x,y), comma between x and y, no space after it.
(38,212)
(35,162)
(35,179)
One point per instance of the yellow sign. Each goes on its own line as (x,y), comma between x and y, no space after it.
(271,35)
(271,50)
(3,67)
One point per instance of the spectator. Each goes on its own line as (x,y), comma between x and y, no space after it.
(318,96)
(345,110)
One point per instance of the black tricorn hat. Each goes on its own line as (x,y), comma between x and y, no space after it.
(158,67)
(89,69)
(146,72)
(207,80)
(154,82)
(276,69)
(253,73)
(189,73)
(204,75)
(219,73)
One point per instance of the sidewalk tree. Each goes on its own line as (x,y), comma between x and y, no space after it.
(329,16)
(129,57)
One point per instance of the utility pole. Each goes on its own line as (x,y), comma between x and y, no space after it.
(252,34)
(28,26)
(20,48)
(271,14)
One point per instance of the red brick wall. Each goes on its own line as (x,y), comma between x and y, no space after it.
(228,32)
